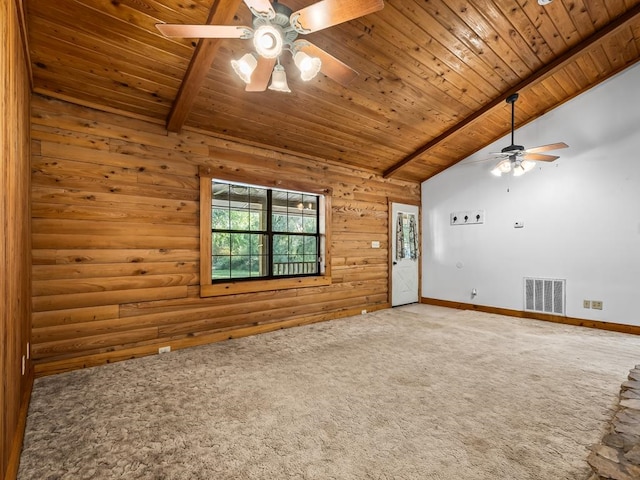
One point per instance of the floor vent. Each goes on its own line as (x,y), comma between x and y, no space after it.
(544,295)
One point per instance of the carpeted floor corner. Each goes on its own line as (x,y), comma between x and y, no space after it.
(415,392)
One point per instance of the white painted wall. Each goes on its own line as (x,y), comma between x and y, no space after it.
(581,212)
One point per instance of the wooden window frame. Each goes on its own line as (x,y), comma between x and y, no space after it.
(210,289)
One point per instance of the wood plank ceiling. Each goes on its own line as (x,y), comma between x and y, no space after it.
(433,74)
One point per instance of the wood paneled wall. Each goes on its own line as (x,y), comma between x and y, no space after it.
(116,239)
(15,251)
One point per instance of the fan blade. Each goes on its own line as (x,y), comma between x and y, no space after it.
(261,8)
(331,66)
(502,154)
(204,31)
(327,13)
(538,157)
(546,148)
(261,75)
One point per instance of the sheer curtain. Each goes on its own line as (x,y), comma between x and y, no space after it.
(406,236)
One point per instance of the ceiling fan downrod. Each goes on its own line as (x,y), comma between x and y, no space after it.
(511,99)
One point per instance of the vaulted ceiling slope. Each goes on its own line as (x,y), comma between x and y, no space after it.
(433,74)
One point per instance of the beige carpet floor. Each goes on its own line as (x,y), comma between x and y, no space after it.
(415,392)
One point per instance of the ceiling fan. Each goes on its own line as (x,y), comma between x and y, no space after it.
(517,159)
(275,29)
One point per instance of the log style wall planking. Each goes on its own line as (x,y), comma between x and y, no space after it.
(14,240)
(115,220)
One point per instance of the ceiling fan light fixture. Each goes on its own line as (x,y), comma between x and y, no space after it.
(503,166)
(527,165)
(279,80)
(245,66)
(309,66)
(268,41)
(518,169)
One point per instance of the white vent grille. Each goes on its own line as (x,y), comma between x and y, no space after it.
(544,295)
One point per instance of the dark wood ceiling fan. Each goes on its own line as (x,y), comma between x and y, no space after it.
(275,29)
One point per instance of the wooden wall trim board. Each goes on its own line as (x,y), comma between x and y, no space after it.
(233,288)
(205,232)
(22,23)
(15,239)
(18,436)
(614,327)
(248,176)
(116,238)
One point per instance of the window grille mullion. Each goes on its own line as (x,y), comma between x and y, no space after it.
(318,234)
(270,232)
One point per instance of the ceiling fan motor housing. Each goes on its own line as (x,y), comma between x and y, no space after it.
(512,148)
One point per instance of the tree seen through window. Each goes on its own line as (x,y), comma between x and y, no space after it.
(263,233)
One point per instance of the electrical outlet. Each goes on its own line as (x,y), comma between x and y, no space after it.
(363,312)
(586,303)
(596,304)
(166,349)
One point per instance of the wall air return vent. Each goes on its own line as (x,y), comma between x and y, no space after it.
(544,295)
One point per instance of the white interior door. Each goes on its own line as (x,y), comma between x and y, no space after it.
(405,247)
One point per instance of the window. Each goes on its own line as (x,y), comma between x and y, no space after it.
(262,237)
(259,232)
(406,240)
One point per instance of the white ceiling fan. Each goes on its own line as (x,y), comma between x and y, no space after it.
(275,29)
(517,159)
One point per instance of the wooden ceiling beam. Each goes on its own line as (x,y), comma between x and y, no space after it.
(533,79)
(221,13)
